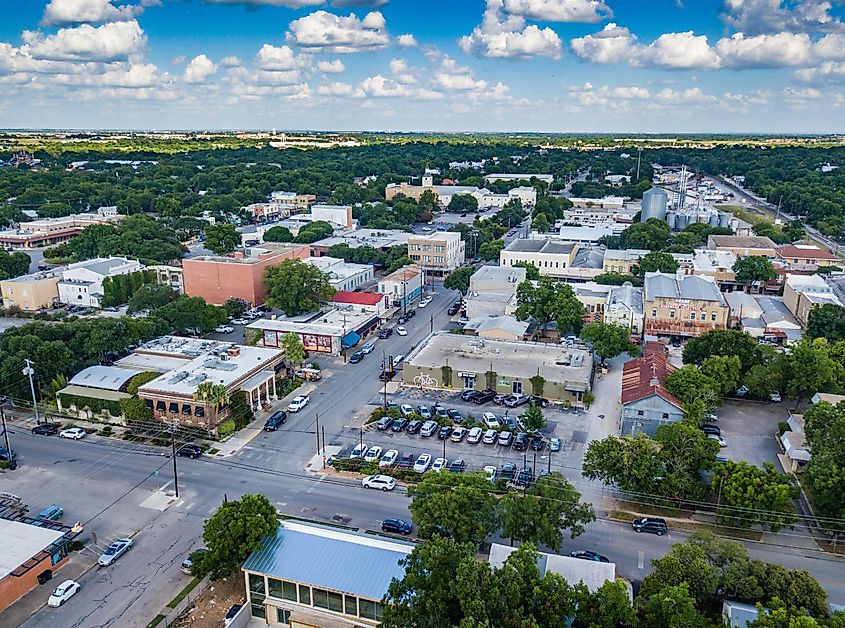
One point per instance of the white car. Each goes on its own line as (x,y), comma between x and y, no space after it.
(406,410)
(422,463)
(474,435)
(74,433)
(240,321)
(389,458)
(401,331)
(63,593)
(775,396)
(115,551)
(491,421)
(384,482)
(490,437)
(224,329)
(440,464)
(423,303)
(490,470)
(722,442)
(360,451)
(297,403)
(373,453)
(458,434)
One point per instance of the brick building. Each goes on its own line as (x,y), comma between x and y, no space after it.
(682,305)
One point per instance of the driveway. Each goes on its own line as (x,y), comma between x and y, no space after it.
(749,428)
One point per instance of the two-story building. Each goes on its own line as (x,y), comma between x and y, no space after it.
(32,292)
(743,246)
(801,293)
(492,291)
(82,282)
(437,253)
(402,286)
(682,305)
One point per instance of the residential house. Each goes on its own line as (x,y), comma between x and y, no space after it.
(82,282)
(646,404)
(682,305)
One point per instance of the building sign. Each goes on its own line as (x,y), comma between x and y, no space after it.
(271,339)
(317,342)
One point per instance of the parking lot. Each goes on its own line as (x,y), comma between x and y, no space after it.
(749,427)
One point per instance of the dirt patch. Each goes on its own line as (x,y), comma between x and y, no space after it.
(210,607)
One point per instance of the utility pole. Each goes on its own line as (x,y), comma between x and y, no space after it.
(404,295)
(324,446)
(28,370)
(12,464)
(173,452)
(432,324)
(361,437)
(384,373)
(342,348)
(317,431)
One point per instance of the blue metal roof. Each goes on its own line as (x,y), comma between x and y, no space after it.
(350,340)
(331,559)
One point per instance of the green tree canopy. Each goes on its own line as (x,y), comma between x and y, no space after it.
(235,307)
(540,222)
(222,238)
(151,297)
(654,262)
(532,273)
(609,339)
(278,234)
(296,287)
(752,495)
(463,203)
(827,321)
(671,607)
(191,312)
(809,369)
(294,349)
(724,371)
(489,251)
(547,301)
(652,234)
(688,383)
(314,231)
(754,268)
(533,418)
(724,342)
(233,533)
(458,279)
(13,264)
(825,430)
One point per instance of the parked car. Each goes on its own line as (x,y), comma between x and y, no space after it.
(385,333)
(275,420)
(423,463)
(469,394)
(383,482)
(368,348)
(429,428)
(525,477)
(406,410)
(359,451)
(490,437)
(458,466)
(224,329)
(653,525)
(589,555)
(424,412)
(456,416)
(356,357)
(554,443)
(484,396)
(711,417)
(516,400)
(439,464)
(453,309)
(537,443)
(474,435)
(47,429)
(298,403)
(414,426)
(399,424)
(406,460)
(441,412)
(458,434)
(240,321)
(53,512)
(775,397)
(74,433)
(444,432)
(709,428)
(508,471)
(189,450)
(500,399)
(490,420)
(373,453)
(490,470)
(63,593)
(539,401)
(397,526)
(741,391)
(505,439)
(384,423)
(190,559)
(389,458)
(115,551)
(401,331)
(722,442)
(520,441)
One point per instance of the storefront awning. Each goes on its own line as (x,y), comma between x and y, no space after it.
(349,340)
(576,387)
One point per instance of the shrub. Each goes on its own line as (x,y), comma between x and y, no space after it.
(377,414)
(226,428)
(783,427)
(106,431)
(349,464)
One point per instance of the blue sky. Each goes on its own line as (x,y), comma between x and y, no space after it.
(488,65)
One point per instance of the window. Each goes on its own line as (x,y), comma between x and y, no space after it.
(368,608)
(304,595)
(640,413)
(274,587)
(671,313)
(335,602)
(654,312)
(713,316)
(199,411)
(186,408)
(350,605)
(665,415)
(256,584)
(173,408)
(692,316)
(321,598)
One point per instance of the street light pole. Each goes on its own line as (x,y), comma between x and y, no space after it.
(384,376)
(173,455)
(28,370)
(12,464)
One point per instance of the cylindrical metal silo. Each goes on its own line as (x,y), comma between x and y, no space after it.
(655,201)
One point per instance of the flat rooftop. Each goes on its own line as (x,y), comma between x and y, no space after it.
(329,322)
(21,541)
(252,255)
(574,570)
(226,367)
(540,245)
(509,358)
(181,347)
(376,238)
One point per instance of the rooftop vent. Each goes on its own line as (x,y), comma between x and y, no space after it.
(178,377)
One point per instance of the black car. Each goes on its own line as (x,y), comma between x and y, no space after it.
(406,461)
(276,419)
(445,432)
(385,333)
(469,394)
(507,471)
(676,342)
(456,416)
(356,357)
(386,376)
(453,309)
(399,424)
(484,397)
(384,423)
(397,526)
(589,555)
(654,525)
(189,451)
(47,429)
(458,466)
(414,426)
(404,318)
(525,477)
(709,428)
(537,443)
(539,401)
(520,443)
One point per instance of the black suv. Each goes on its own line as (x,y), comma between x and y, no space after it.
(356,357)
(445,432)
(414,427)
(46,429)
(399,424)
(539,401)
(458,466)
(397,526)
(404,318)
(484,397)
(189,451)
(520,443)
(456,416)
(525,477)
(537,443)
(653,525)
(276,419)
(469,394)
(385,333)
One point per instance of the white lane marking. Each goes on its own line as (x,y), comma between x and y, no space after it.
(640,559)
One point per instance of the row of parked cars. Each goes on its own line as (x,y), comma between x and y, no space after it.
(513,400)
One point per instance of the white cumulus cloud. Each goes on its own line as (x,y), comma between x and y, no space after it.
(115,41)
(505,36)
(590,11)
(612,44)
(331,67)
(326,31)
(679,51)
(199,69)
(91,11)
(764,51)
(335,89)
(230,61)
(754,17)
(406,41)
(279,59)
(401,72)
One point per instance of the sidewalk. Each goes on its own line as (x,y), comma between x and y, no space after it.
(78,564)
